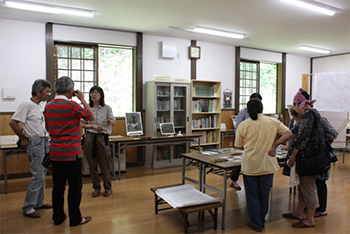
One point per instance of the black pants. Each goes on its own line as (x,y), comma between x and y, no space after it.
(61,172)
(322,195)
(235,173)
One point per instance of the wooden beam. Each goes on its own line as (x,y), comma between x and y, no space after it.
(305,82)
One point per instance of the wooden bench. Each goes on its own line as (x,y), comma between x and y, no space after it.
(212,209)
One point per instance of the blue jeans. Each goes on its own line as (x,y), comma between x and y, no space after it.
(257,190)
(36,187)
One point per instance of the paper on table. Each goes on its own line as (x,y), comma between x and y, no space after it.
(184,195)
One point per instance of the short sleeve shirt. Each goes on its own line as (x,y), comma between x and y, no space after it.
(257,137)
(101,114)
(32,118)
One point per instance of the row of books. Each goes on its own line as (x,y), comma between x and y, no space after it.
(163,153)
(163,90)
(177,104)
(179,91)
(204,91)
(208,122)
(204,105)
(160,119)
(207,136)
(163,105)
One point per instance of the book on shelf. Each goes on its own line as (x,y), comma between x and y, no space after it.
(207,136)
(207,122)
(165,153)
(160,119)
(163,105)
(204,105)
(163,90)
(203,91)
(178,91)
(177,104)
(159,155)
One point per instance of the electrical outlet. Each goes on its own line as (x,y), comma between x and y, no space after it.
(231,143)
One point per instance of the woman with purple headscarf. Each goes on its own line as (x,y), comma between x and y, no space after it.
(306,138)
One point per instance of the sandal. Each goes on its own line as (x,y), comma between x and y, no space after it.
(290,216)
(85,220)
(235,186)
(301,224)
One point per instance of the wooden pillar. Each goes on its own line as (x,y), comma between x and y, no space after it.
(305,81)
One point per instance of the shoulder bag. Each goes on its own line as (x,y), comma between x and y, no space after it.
(317,161)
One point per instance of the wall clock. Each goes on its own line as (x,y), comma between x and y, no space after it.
(195,52)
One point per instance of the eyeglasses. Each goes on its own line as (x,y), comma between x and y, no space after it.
(94,93)
(48,92)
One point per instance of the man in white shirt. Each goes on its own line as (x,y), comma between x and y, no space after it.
(34,138)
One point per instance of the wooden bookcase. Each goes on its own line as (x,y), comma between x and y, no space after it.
(206,112)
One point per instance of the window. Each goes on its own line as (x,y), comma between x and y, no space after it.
(249,82)
(79,63)
(110,67)
(258,77)
(116,77)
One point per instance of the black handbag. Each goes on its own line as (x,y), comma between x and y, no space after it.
(46,160)
(316,161)
(312,165)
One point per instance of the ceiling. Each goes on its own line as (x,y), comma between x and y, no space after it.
(268,24)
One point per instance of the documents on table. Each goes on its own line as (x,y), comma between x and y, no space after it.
(184,195)
(231,151)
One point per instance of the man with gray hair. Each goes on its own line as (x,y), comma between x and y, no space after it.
(34,139)
(63,117)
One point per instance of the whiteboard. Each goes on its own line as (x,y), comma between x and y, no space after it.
(332,91)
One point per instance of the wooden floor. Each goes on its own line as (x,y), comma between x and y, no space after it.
(130,209)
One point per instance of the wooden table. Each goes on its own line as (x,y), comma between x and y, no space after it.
(9,150)
(221,169)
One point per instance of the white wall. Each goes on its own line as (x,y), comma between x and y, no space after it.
(296,66)
(78,34)
(155,64)
(260,55)
(217,63)
(22,59)
(331,64)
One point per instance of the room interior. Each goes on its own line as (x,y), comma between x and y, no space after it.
(273,31)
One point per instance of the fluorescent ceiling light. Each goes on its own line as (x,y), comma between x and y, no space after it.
(218,32)
(313,49)
(52,9)
(313,5)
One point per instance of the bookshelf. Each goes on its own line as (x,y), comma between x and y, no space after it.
(166,102)
(206,112)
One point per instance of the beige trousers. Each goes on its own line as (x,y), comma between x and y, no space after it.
(102,159)
(308,191)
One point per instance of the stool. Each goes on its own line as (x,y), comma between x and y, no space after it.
(185,211)
(212,209)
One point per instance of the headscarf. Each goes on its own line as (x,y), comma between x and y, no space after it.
(299,98)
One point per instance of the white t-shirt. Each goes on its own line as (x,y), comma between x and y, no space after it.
(31,116)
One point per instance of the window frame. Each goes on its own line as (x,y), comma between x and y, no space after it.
(242,105)
(96,47)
